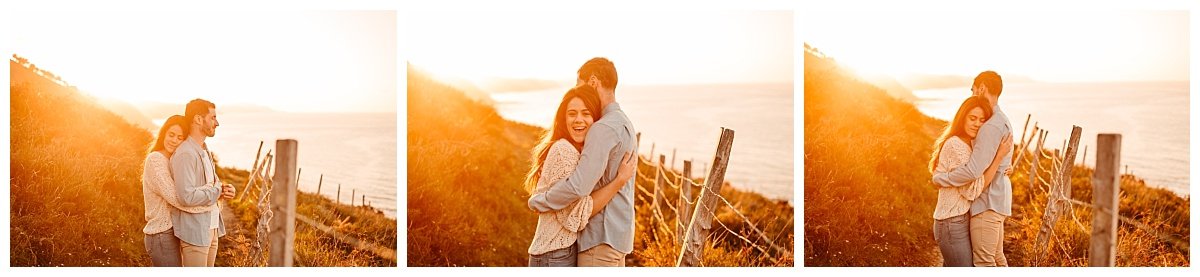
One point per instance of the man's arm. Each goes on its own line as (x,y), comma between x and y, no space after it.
(184,166)
(592,161)
(986,144)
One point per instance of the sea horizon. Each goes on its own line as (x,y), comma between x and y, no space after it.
(1151,116)
(687,119)
(355,150)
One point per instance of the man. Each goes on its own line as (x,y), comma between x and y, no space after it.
(608,237)
(197,185)
(994,205)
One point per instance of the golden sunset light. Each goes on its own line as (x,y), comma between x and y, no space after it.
(286,61)
(651,47)
(1055,46)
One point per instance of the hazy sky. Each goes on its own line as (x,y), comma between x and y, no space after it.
(686,47)
(342,61)
(1056,46)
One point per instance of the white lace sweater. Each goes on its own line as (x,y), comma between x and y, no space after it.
(559,229)
(158,193)
(956,200)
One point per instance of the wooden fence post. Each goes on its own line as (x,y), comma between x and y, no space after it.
(702,217)
(651,156)
(1025,144)
(1083,162)
(352,192)
(638,147)
(683,215)
(1021,143)
(1105,191)
(1037,153)
(338,201)
(1056,199)
(253,170)
(283,204)
(319,182)
(656,207)
(673,158)
(256,173)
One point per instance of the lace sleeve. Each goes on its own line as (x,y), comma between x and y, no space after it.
(560,162)
(959,154)
(164,186)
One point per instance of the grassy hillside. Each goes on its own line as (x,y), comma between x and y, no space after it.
(466,206)
(76,178)
(76,193)
(868,198)
(866,191)
(313,247)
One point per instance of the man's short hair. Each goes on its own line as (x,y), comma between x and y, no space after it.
(603,69)
(991,80)
(197,107)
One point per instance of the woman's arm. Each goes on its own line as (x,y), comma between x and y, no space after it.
(163,186)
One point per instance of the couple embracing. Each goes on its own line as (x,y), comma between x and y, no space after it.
(581,180)
(181,190)
(973,199)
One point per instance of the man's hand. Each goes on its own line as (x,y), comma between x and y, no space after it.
(227,191)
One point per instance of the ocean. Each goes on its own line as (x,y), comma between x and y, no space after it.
(687,119)
(357,151)
(1152,118)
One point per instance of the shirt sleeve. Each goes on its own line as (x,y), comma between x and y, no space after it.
(984,150)
(163,186)
(560,160)
(184,166)
(593,160)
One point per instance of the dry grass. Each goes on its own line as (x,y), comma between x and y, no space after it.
(466,206)
(868,200)
(77,198)
(312,246)
(76,179)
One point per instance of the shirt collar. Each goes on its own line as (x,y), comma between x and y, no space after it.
(612,107)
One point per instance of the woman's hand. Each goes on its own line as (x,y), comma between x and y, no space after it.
(1006,145)
(625,172)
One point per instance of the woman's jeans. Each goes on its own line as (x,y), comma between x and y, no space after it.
(163,248)
(565,257)
(953,236)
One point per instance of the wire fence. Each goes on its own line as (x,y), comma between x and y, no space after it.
(259,188)
(1055,184)
(701,215)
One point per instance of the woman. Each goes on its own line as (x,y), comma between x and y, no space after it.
(951,227)
(556,157)
(158,191)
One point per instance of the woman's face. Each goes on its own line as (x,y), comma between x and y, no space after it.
(173,139)
(578,119)
(974,121)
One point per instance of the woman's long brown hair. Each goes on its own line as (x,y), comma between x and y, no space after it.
(159,142)
(958,126)
(558,130)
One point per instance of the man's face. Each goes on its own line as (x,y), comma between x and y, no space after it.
(210,123)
